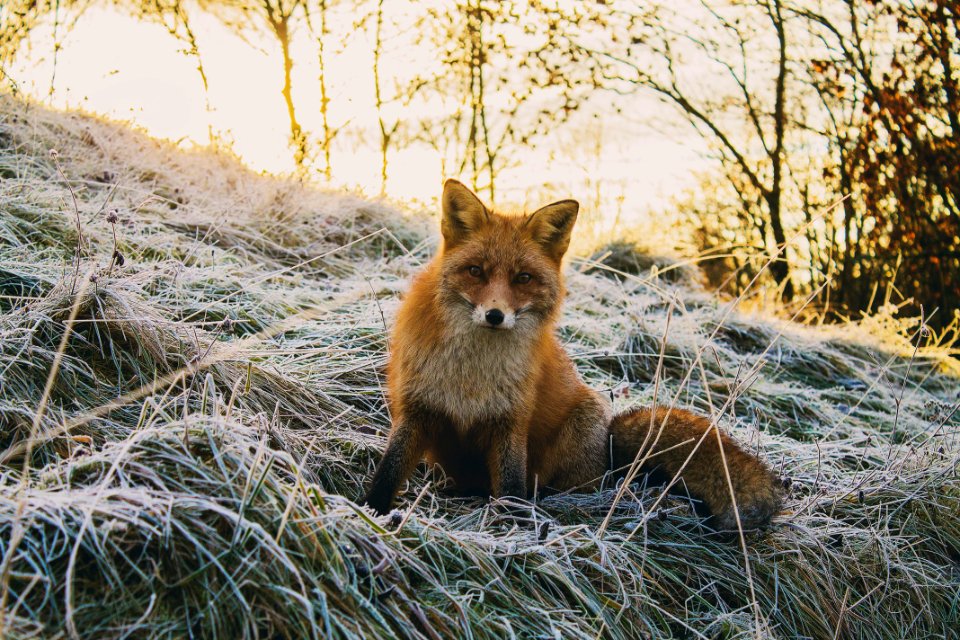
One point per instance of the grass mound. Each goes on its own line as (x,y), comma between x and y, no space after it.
(622,258)
(191,398)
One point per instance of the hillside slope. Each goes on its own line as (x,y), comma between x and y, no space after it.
(191,397)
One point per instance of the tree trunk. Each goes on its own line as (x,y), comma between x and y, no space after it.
(324,98)
(181,18)
(476,97)
(846,277)
(384,134)
(297,138)
(780,268)
(480,61)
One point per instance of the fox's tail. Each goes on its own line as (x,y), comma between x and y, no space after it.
(665,439)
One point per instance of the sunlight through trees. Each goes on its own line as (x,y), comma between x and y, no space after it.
(831,128)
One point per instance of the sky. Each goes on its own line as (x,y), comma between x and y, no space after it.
(119,67)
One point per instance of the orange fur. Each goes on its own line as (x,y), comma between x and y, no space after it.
(495,400)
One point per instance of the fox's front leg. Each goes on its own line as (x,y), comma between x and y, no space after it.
(677,444)
(404,449)
(507,463)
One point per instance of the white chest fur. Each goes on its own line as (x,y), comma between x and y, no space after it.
(474,375)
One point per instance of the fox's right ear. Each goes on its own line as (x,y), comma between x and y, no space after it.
(463,213)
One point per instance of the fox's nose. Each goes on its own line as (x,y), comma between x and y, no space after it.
(494,316)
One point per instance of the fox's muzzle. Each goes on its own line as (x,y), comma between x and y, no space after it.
(494,318)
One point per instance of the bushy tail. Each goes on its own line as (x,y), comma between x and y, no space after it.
(665,439)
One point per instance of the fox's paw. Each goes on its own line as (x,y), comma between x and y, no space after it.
(757,503)
(379,501)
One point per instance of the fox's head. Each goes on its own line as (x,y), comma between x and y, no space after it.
(499,272)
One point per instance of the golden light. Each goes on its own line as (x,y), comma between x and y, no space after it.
(126,69)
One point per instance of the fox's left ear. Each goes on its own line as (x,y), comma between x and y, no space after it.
(551,225)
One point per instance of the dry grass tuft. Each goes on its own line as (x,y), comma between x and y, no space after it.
(218,405)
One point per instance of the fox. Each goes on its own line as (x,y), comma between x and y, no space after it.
(479,384)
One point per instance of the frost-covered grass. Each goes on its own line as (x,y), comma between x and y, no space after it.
(185,425)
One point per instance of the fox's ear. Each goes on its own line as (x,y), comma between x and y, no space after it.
(463,213)
(551,225)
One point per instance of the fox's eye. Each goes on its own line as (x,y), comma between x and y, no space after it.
(522,278)
(475,271)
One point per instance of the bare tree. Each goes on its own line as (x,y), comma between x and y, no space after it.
(386,133)
(19,17)
(727,72)
(508,78)
(277,19)
(889,79)
(173,15)
(321,32)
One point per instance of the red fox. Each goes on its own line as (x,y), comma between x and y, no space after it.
(479,384)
